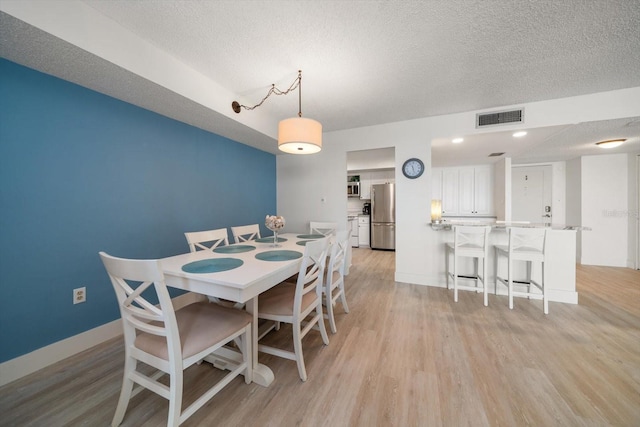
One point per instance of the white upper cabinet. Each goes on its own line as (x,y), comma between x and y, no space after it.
(483,190)
(450,192)
(367,179)
(465,191)
(365,185)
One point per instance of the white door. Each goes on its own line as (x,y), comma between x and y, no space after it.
(531,194)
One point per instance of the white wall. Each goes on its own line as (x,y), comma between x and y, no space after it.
(502,189)
(574,200)
(303,181)
(634,210)
(605,205)
(559,193)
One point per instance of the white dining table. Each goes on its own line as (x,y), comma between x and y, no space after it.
(240,284)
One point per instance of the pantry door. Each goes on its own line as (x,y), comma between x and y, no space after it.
(531,194)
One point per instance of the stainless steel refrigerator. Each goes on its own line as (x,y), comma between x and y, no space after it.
(383,216)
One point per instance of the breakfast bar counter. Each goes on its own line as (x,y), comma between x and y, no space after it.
(559,259)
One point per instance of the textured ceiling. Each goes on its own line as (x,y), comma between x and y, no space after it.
(363,62)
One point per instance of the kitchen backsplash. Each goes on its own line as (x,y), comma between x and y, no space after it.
(355,205)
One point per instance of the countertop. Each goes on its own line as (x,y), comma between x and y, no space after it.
(355,215)
(446,225)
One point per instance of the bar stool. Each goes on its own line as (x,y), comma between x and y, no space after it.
(525,244)
(470,242)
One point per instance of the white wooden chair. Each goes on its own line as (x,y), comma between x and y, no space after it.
(207,240)
(244,233)
(471,242)
(334,283)
(168,340)
(299,304)
(326,228)
(528,245)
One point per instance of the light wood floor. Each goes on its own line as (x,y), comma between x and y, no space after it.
(405,356)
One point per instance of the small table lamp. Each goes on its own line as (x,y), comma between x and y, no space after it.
(436,211)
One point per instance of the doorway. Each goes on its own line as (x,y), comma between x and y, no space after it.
(531,194)
(368,168)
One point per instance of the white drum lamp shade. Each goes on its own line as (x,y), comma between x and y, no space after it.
(299,135)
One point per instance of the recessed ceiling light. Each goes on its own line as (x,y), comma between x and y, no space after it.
(457,140)
(612,143)
(519,134)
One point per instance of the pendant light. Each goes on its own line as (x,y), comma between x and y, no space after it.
(297,135)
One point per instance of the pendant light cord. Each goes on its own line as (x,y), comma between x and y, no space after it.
(297,84)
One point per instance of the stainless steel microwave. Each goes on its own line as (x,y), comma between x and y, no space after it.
(353,189)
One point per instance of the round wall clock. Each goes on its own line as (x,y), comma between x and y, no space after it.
(413,168)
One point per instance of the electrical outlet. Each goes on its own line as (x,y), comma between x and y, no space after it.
(79,295)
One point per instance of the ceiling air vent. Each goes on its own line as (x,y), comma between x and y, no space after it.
(496,154)
(499,118)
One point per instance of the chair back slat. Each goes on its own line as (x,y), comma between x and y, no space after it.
(132,278)
(207,240)
(311,274)
(339,252)
(245,233)
(471,236)
(530,238)
(325,228)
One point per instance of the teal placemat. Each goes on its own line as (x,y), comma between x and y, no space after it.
(278,255)
(214,265)
(311,236)
(270,239)
(236,249)
(303,242)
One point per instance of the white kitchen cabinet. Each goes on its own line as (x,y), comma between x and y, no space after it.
(353,224)
(372,177)
(363,231)
(450,191)
(466,191)
(383,177)
(365,186)
(483,190)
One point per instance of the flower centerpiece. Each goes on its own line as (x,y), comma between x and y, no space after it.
(274,223)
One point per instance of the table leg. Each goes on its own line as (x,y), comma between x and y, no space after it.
(262,374)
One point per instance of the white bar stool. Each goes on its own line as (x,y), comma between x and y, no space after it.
(525,244)
(471,242)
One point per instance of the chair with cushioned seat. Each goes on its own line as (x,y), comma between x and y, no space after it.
(170,341)
(528,245)
(469,242)
(299,304)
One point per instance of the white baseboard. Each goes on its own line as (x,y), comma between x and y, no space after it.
(418,279)
(29,363)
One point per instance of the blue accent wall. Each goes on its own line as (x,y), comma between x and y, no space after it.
(81,172)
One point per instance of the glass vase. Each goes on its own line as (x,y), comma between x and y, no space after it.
(275,238)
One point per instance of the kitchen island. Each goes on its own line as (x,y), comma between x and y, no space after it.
(560,257)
